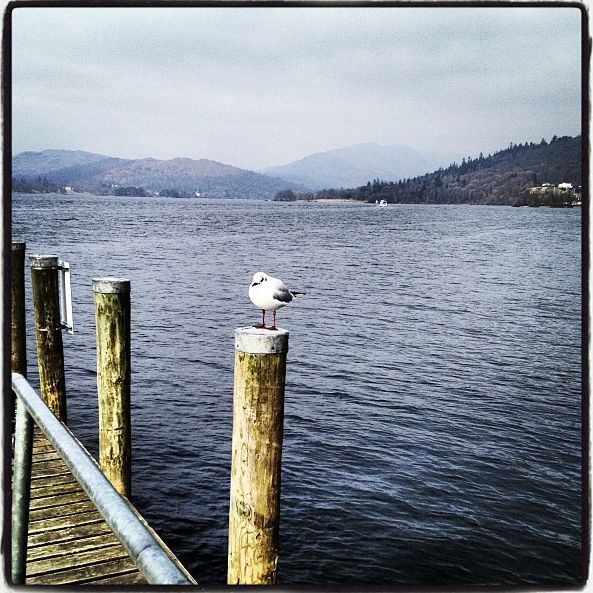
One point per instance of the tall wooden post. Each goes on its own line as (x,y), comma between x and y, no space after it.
(48,332)
(18,323)
(112,314)
(258,418)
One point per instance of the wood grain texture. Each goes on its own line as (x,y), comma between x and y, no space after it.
(44,502)
(69,542)
(82,575)
(48,334)
(112,315)
(258,416)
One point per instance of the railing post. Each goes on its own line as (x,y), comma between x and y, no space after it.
(19,333)
(258,418)
(112,314)
(21,492)
(48,332)
(23,437)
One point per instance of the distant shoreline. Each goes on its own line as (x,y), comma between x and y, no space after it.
(335,201)
(325,201)
(75,194)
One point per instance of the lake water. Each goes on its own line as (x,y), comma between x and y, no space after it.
(433,389)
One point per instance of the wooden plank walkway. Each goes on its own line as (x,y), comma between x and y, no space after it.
(69,542)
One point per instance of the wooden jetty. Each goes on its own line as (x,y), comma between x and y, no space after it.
(69,542)
(69,523)
(72,520)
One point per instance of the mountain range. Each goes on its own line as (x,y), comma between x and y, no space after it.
(355,165)
(97,173)
(367,171)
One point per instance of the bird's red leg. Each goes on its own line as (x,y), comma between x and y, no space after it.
(263,320)
(274,322)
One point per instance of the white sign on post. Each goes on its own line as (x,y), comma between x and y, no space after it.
(65,297)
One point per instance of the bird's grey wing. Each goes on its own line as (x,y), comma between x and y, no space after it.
(281,293)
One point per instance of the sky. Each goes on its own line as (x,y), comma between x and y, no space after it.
(255,87)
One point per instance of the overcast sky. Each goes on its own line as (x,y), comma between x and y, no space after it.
(253,87)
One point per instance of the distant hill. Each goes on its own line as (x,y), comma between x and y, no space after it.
(373,172)
(38,163)
(100,174)
(501,178)
(354,165)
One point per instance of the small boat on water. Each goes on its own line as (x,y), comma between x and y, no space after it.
(383,203)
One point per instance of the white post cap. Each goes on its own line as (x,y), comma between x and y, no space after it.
(254,340)
(43,262)
(110,285)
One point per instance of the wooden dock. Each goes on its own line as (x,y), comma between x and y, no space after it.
(68,541)
(72,521)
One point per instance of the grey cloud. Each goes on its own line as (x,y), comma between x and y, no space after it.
(310,78)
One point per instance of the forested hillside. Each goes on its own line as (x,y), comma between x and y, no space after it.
(501,178)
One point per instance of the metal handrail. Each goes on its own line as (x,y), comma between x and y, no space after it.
(144,550)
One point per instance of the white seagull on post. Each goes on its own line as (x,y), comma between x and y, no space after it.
(269,294)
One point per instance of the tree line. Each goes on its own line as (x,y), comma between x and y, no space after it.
(503,177)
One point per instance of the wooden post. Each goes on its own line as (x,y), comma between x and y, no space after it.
(258,418)
(19,333)
(112,314)
(48,332)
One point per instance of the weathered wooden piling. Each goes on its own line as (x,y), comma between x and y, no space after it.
(18,322)
(45,272)
(258,419)
(112,314)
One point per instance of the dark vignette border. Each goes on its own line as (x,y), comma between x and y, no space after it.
(6,99)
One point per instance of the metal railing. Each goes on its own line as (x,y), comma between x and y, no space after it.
(147,553)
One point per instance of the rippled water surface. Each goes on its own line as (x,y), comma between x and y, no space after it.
(433,396)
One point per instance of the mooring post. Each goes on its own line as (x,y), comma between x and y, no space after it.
(18,351)
(18,324)
(45,270)
(112,314)
(258,419)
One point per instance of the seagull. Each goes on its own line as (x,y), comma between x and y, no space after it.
(269,294)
